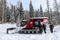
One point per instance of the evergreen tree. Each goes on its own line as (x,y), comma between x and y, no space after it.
(48,11)
(41,11)
(37,13)
(56,7)
(8,14)
(21,11)
(12,16)
(31,10)
(50,14)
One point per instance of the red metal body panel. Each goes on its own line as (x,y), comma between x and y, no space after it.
(30,23)
(27,24)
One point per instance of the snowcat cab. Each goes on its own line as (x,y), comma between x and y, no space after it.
(36,21)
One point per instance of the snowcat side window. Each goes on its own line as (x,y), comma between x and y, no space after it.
(23,23)
(36,23)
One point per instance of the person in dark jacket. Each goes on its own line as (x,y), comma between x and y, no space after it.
(44,28)
(40,27)
(51,28)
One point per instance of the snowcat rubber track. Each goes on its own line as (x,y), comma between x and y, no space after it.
(31,31)
(28,32)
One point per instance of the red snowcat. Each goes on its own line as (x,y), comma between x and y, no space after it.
(31,25)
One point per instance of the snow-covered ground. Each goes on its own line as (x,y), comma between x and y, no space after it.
(47,36)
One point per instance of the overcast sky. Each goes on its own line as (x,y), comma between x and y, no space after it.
(35,3)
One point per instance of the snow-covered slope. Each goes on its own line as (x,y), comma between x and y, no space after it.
(47,36)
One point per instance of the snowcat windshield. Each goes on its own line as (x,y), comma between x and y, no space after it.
(23,23)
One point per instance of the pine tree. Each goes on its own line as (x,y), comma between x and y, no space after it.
(48,11)
(8,14)
(21,11)
(41,11)
(31,10)
(56,7)
(12,16)
(50,14)
(36,13)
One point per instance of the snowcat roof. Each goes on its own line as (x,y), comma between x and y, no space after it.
(24,20)
(38,17)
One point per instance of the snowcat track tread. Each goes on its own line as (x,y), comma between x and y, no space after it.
(29,32)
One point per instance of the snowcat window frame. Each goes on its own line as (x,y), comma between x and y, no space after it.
(23,23)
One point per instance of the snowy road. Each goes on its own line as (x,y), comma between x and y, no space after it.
(48,36)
